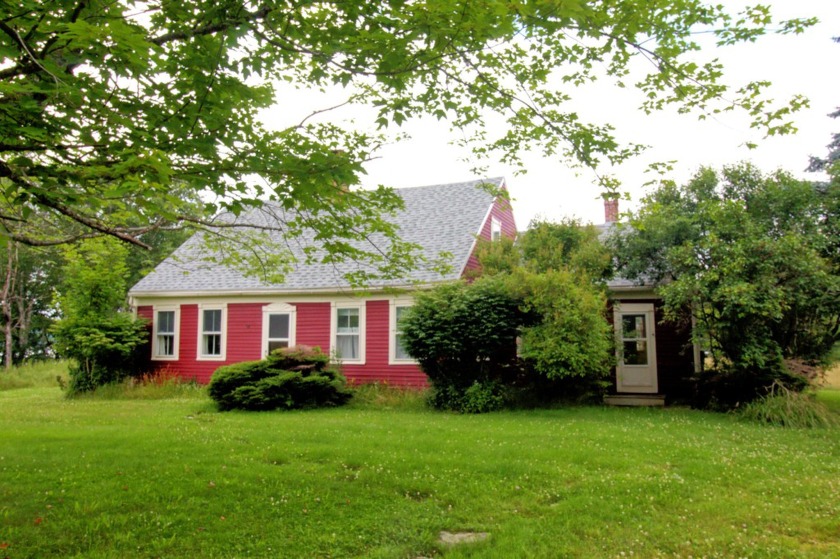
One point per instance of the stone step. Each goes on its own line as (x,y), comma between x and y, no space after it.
(635,400)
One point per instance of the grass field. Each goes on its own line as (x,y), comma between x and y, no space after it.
(174,478)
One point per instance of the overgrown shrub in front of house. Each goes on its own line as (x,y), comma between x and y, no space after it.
(289,378)
(464,338)
(105,343)
(104,350)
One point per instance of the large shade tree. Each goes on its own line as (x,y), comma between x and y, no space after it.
(751,257)
(113,113)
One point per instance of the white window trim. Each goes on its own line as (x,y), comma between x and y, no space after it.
(278,308)
(495,228)
(334,306)
(200,328)
(175,344)
(392,332)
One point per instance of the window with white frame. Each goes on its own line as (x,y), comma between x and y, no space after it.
(165,336)
(495,229)
(398,354)
(211,338)
(278,327)
(348,337)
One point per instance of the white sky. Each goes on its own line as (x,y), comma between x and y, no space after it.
(806,64)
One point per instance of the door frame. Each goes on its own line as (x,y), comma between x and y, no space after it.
(646,309)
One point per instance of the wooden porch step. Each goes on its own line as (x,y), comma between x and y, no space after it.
(635,400)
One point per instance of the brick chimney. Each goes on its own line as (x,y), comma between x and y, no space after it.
(610,210)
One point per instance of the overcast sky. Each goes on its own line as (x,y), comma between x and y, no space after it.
(805,64)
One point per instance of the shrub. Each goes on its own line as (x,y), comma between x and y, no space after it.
(104,349)
(787,408)
(463,334)
(572,338)
(296,377)
(482,397)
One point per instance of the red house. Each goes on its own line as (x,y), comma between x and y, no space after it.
(204,316)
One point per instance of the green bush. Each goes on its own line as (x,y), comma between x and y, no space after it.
(297,377)
(462,335)
(104,350)
(482,397)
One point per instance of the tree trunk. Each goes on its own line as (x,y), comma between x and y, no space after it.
(8,286)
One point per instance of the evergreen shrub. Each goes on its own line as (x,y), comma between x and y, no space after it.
(289,378)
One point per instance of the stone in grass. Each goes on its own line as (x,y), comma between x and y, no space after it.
(455,538)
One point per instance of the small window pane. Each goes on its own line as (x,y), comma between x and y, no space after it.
(212,344)
(213,320)
(635,353)
(634,326)
(399,350)
(166,345)
(278,326)
(166,322)
(347,346)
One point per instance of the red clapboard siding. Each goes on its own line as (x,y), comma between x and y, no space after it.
(244,342)
(502,211)
(244,332)
(377,351)
(313,325)
(145,311)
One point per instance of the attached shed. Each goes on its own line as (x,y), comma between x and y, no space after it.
(655,358)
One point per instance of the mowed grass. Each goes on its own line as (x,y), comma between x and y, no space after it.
(174,478)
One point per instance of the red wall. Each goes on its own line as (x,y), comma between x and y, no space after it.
(244,341)
(377,339)
(313,325)
(502,211)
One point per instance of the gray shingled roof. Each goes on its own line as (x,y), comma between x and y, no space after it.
(442,219)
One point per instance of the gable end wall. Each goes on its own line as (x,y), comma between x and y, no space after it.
(502,211)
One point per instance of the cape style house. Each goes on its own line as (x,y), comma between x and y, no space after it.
(204,315)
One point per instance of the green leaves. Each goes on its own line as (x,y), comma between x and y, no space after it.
(117,120)
(745,254)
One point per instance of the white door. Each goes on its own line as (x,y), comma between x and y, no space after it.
(636,348)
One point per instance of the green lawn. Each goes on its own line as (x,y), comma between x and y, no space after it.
(173,478)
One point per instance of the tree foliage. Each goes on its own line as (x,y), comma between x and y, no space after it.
(117,116)
(561,281)
(568,245)
(464,338)
(751,256)
(96,331)
(571,339)
(29,276)
(541,296)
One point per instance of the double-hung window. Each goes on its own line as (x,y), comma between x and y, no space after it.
(398,354)
(348,340)
(278,327)
(165,336)
(211,339)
